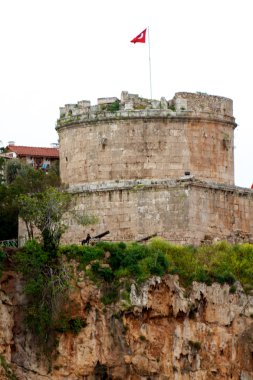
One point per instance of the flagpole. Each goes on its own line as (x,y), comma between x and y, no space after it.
(150,81)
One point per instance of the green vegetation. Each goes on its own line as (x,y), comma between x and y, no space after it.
(232,289)
(66,324)
(44,210)
(221,262)
(113,107)
(140,106)
(172,107)
(2,257)
(2,163)
(8,214)
(47,282)
(7,369)
(20,179)
(135,261)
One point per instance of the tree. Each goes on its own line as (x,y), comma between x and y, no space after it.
(21,179)
(1,169)
(2,163)
(29,181)
(8,214)
(45,211)
(12,169)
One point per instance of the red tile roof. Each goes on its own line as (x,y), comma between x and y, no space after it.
(24,151)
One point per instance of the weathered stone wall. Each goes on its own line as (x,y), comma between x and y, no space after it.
(221,212)
(201,102)
(186,211)
(132,210)
(147,139)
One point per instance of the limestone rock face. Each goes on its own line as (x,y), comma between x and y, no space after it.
(167,332)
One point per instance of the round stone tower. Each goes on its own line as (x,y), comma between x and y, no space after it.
(136,138)
(146,167)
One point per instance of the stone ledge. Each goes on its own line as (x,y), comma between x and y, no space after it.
(94,117)
(141,184)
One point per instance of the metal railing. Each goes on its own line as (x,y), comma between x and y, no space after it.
(9,243)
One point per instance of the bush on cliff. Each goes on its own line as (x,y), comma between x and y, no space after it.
(46,284)
(221,262)
(133,260)
(2,258)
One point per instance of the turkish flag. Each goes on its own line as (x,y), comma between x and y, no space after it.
(140,38)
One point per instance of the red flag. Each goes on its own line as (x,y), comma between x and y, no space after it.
(140,38)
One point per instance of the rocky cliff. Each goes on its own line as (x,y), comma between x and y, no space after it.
(162,332)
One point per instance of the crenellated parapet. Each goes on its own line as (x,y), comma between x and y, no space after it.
(132,106)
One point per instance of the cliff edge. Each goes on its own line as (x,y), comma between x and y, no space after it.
(162,332)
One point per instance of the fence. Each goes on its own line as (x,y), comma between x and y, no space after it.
(9,243)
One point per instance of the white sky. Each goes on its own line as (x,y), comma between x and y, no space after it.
(55,52)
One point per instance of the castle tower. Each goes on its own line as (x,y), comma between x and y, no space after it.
(147,166)
(137,138)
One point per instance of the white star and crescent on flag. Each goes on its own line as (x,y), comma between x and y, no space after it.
(140,38)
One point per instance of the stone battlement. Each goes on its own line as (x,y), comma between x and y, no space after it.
(183,105)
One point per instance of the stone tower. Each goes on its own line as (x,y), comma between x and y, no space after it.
(153,167)
(139,139)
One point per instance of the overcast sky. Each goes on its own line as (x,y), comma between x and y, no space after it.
(55,52)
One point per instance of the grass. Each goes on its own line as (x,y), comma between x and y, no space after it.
(221,262)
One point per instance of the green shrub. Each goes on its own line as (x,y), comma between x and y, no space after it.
(2,258)
(122,272)
(103,273)
(221,262)
(82,253)
(32,258)
(113,107)
(9,374)
(122,245)
(73,325)
(116,257)
(202,275)
(46,283)
(224,277)
(133,254)
(110,296)
(232,289)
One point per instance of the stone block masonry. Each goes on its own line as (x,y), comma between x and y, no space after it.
(184,211)
(124,160)
(138,138)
